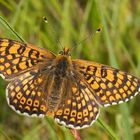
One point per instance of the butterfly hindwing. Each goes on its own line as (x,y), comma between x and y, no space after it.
(16,57)
(78,110)
(25,94)
(109,86)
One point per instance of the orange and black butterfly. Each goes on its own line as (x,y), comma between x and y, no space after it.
(71,91)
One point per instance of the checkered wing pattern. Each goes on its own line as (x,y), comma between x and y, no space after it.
(79,110)
(25,94)
(109,86)
(17,58)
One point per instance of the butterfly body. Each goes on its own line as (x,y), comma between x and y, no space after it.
(60,72)
(45,84)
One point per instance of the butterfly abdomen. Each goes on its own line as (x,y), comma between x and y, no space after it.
(55,92)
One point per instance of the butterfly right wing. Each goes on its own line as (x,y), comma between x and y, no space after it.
(109,86)
(17,58)
(78,110)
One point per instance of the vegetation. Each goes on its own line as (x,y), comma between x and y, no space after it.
(74,22)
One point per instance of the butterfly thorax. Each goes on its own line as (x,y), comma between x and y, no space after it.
(60,73)
(63,65)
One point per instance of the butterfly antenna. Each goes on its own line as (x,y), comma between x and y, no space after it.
(53,31)
(86,38)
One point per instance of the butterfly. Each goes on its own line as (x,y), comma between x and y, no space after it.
(69,90)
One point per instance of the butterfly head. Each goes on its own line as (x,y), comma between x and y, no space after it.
(65,51)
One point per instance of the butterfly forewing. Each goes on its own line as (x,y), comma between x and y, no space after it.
(108,85)
(16,57)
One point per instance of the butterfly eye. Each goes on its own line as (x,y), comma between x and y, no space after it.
(61,52)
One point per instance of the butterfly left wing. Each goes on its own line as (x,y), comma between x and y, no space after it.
(78,110)
(26,93)
(17,57)
(109,86)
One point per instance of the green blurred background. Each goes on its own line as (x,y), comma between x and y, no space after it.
(71,21)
